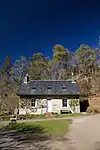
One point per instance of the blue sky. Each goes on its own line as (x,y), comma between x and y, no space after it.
(30,26)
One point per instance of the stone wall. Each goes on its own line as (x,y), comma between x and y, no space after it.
(55,103)
(57,106)
(25,106)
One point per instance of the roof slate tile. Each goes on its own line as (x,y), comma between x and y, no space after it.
(42,87)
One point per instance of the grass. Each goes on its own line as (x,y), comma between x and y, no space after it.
(42,116)
(51,127)
(67,115)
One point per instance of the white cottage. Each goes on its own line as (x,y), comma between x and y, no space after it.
(48,96)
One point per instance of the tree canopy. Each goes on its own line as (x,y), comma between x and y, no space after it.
(83,65)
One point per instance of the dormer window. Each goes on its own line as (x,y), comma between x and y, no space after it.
(49,88)
(64,87)
(34,88)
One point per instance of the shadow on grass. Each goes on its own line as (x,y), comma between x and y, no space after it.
(21,136)
(22,127)
(32,132)
(30,136)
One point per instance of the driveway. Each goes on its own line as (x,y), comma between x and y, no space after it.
(84,134)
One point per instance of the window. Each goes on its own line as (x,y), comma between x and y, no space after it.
(64,102)
(49,88)
(33,102)
(64,87)
(34,88)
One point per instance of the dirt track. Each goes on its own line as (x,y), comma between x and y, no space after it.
(84,134)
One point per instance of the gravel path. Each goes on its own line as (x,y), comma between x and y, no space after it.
(84,134)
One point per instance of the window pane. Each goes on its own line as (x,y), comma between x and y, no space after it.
(34,88)
(33,102)
(49,87)
(64,102)
(64,87)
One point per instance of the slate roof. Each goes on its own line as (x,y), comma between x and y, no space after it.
(49,87)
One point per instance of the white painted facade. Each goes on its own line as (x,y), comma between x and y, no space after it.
(50,105)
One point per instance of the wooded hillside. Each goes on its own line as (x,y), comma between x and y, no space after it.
(83,65)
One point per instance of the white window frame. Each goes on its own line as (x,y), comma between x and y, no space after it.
(49,88)
(66,102)
(64,87)
(34,88)
(33,101)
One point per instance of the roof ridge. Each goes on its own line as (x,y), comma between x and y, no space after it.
(53,80)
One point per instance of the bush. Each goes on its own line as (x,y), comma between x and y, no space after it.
(31,116)
(4,117)
(93,110)
(1,113)
(43,116)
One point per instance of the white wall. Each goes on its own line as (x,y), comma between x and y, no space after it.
(25,111)
(39,109)
(56,105)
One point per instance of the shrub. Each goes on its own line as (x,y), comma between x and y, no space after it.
(1,113)
(31,116)
(4,117)
(92,109)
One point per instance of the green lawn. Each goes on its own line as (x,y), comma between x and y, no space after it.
(51,127)
(68,115)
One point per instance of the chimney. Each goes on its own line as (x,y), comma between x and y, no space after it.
(26,79)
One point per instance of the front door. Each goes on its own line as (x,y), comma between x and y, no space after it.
(49,105)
